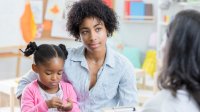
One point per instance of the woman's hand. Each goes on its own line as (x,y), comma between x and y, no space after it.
(55,102)
(66,107)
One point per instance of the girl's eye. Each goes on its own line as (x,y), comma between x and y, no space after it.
(60,73)
(48,73)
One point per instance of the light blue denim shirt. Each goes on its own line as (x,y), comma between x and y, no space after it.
(115,86)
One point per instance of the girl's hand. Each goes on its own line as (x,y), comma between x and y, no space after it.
(55,102)
(66,107)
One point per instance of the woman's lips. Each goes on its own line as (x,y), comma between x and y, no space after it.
(95,45)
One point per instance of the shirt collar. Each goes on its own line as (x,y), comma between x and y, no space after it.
(78,55)
(109,57)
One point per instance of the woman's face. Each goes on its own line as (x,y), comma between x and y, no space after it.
(93,33)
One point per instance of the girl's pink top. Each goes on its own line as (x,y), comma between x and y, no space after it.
(32,100)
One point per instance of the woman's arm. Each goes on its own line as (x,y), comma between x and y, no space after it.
(26,79)
(127,87)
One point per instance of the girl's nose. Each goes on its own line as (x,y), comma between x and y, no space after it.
(53,77)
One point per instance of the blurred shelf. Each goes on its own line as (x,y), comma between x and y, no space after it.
(164,23)
(195,4)
(8,54)
(139,19)
(52,38)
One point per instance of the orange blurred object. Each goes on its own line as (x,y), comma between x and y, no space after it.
(47,25)
(109,3)
(55,9)
(27,23)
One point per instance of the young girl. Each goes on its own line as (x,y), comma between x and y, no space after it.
(48,93)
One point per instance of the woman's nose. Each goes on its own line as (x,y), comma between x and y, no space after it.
(93,35)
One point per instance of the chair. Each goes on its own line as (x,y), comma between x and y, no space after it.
(9,53)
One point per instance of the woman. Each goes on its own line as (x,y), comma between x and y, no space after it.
(180,77)
(100,76)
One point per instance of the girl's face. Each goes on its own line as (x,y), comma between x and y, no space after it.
(93,33)
(50,73)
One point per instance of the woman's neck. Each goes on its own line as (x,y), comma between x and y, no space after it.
(95,57)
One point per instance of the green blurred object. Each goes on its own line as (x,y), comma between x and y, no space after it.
(133,54)
(193,1)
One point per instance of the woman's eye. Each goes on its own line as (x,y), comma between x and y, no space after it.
(84,32)
(98,29)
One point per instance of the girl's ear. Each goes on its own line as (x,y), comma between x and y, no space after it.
(34,67)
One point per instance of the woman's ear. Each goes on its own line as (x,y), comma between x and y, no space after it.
(34,67)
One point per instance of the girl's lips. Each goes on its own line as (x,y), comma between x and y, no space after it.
(54,84)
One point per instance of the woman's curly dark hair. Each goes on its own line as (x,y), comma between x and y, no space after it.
(181,67)
(91,8)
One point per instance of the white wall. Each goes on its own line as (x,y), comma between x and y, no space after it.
(132,33)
